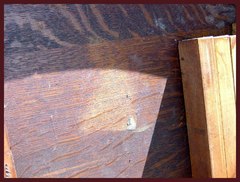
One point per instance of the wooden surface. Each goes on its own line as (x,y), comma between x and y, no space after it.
(76,119)
(192,76)
(234,28)
(234,63)
(222,46)
(9,167)
(210,105)
(75,75)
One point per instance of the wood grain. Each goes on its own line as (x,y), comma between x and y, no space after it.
(234,63)
(49,26)
(227,100)
(195,111)
(75,74)
(210,105)
(9,166)
(100,102)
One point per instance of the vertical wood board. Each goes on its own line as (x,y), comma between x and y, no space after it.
(210,105)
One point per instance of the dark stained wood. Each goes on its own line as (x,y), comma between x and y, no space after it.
(37,27)
(75,75)
(234,28)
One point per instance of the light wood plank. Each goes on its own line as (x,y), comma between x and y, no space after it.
(227,100)
(210,109)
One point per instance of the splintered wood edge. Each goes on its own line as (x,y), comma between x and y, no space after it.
(9,167)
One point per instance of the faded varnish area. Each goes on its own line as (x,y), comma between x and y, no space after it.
(75,75)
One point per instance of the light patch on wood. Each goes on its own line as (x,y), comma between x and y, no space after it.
(131,124)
